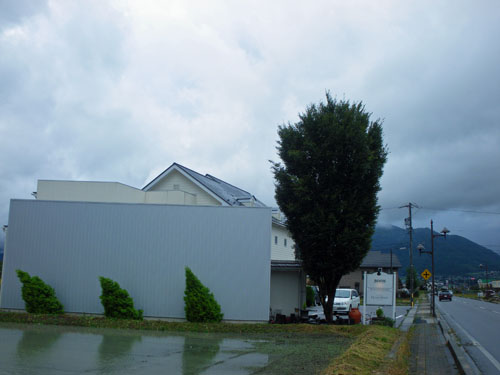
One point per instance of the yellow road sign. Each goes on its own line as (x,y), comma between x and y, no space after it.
(426,274)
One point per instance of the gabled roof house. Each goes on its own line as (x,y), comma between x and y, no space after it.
(179,185)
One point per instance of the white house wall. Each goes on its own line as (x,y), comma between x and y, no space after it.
(176,181)
(145,248)
(278,249)
(286,291)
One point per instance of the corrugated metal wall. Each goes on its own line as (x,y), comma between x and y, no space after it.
(143,247)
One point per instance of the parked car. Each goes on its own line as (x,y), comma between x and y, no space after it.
(445,295)
(489,293)
(345,300)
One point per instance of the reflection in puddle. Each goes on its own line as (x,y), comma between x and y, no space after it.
(26,349)
(198,354)
(114,350)
(35,343)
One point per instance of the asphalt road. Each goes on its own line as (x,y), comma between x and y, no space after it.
(477,325)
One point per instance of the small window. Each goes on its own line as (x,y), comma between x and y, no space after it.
(275,240)
(284,242)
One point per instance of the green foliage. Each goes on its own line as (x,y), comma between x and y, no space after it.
(416,281)
(383,321)
(117,302)
(327,188)
(39,298)
(310,296)
(380,313)
(200,304)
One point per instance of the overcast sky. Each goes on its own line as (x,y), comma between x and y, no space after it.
(119,90)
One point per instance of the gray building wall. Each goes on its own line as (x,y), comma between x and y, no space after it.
(144,248)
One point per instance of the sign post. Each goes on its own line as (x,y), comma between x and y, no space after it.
(364,297)
(380,290)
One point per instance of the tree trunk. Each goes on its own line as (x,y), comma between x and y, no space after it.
(328,290)
(328,306)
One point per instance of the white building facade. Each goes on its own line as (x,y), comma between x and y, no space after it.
(179,185)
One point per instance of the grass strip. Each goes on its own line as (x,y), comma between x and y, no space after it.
(161,325)
(368,353)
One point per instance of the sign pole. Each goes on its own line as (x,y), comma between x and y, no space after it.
(394,298)
(364,298)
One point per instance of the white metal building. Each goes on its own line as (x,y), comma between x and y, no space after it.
(176,186)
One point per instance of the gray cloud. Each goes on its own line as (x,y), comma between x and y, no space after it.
(119,90)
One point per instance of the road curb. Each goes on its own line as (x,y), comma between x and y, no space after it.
(462,359)
(408,320)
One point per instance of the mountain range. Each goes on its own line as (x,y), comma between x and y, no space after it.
(453,255)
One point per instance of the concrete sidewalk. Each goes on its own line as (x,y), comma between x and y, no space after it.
(429,353)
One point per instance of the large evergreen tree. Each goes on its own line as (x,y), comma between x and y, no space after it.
(326,185)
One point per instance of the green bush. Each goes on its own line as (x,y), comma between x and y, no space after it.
(310,296)
(39,298)
(416,294)
(380,313)
(383,321)
(116,301)
(200,304)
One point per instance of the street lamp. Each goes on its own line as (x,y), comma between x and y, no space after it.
(485,266)
(421,248)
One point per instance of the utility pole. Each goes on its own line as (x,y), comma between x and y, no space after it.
(408,224)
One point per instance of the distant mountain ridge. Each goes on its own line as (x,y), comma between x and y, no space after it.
(453,256)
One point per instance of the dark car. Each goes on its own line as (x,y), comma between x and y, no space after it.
(445,295)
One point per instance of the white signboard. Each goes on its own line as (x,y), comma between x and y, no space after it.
(379,289)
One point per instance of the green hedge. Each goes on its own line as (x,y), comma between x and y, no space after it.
(200,304)
(39,298)
(310,296)
(117,302)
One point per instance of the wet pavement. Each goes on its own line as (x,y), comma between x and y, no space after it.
(429,353)
(31,349)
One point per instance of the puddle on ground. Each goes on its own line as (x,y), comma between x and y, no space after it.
(31,349)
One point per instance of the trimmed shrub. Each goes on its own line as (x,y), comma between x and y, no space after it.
(39,298)
(200,304)
(117,302)
(310,296)
(383,321)
(380,313)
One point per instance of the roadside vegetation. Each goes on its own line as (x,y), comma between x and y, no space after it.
(369,354)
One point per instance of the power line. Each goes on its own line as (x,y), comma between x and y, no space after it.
(459,210)
(447,209)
